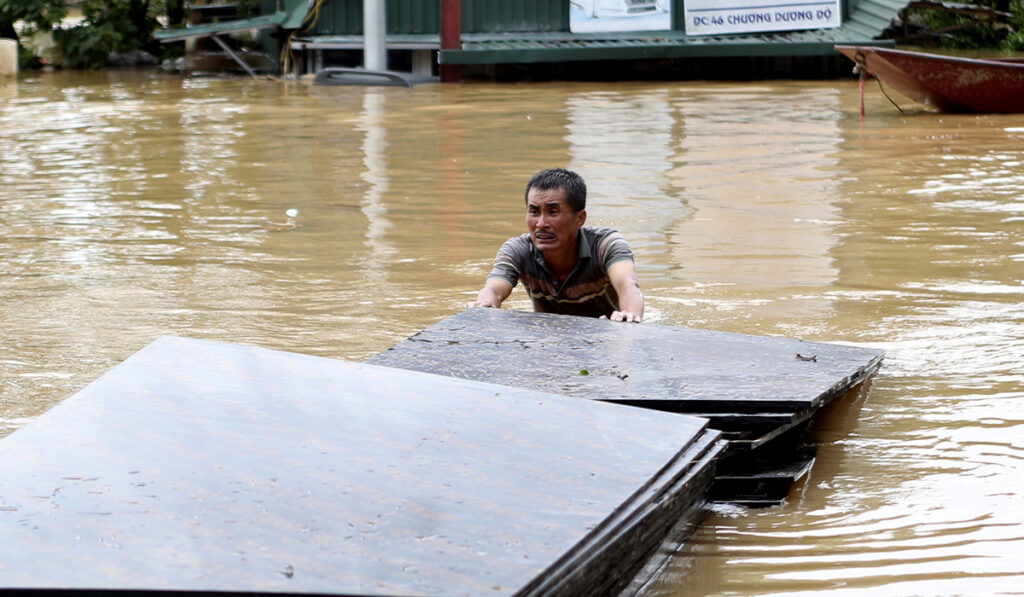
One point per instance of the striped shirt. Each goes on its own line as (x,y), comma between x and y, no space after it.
(586,291)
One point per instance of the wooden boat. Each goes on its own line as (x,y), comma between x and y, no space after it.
(946,83)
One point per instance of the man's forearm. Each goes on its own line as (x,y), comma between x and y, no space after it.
(493,293)
(632,301)
(627,286)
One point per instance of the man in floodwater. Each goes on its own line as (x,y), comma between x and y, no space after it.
(566,268)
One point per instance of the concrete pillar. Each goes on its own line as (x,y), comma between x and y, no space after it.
(375,53)
(8,58)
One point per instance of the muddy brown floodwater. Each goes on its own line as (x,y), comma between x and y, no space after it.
(134,205)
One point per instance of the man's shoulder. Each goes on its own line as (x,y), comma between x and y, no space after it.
(607,245)
(523,240)
(517,246)
(600,236)
(598,231)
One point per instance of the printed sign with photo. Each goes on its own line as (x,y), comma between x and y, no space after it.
(587,16)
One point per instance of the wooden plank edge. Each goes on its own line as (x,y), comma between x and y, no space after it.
(610,557)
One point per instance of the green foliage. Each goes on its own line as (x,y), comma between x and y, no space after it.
(36,15)
(1014,41)
(966,32)
(108,26)
(27,59)
(39,13)
(86,46)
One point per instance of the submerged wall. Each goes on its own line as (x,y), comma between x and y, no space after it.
(8,58)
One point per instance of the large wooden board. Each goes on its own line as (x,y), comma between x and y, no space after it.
(200,466)
(753,388)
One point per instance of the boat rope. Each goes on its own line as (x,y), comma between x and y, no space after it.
(860,68)
(863,74)
(891,101)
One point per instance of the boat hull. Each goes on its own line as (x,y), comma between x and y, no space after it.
(946,83)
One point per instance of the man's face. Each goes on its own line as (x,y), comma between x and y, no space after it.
(551,222)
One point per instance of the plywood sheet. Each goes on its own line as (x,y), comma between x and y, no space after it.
(201,466)
(749,386)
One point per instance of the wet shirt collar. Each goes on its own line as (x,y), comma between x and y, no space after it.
(582,253)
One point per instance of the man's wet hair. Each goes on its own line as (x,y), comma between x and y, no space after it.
(560,178)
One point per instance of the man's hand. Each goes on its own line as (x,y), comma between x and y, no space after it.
(483,303)
(494,292)
(627,316)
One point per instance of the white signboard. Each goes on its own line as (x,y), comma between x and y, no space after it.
(715,17)
(619,15)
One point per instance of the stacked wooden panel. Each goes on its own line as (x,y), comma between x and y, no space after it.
(755,389)
(199,466)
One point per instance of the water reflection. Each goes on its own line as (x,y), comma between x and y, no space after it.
(765,201)
(375,266)
(135,205)
(916,496)
(622,143)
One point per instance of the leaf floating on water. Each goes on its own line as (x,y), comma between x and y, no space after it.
(584,372)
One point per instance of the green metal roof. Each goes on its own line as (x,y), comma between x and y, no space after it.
(395,41)
(529,48)
(290,18)
(297,11)
(261,22)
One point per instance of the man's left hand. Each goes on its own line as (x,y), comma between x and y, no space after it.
(627,316)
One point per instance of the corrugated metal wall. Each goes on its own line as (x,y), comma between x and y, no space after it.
(345,17)
(494,16)
(339,17)
(414,16)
